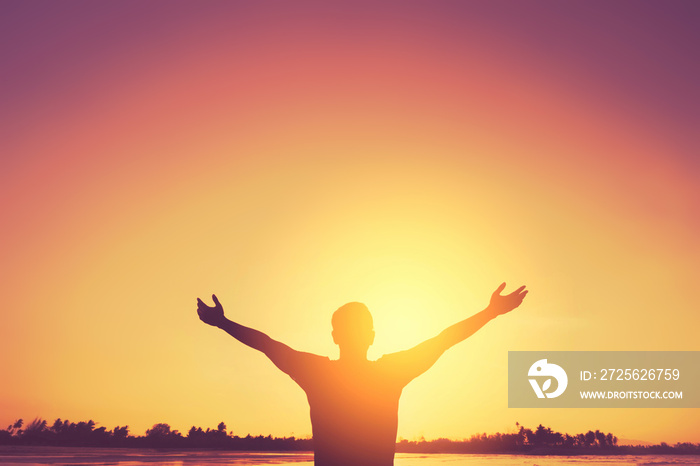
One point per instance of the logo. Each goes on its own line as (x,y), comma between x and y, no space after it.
(543,369)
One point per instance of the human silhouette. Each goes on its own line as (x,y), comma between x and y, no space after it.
(353,401)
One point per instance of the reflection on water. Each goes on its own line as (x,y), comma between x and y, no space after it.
(60,456)
(526,460)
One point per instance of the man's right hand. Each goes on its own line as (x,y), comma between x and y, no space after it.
(212,315)
(502,304)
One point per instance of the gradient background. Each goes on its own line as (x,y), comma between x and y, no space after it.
(294,156)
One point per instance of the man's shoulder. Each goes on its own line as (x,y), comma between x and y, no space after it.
(310,362)
(400,365)
(311,359)
(393,358)
(306,368)
(315,358)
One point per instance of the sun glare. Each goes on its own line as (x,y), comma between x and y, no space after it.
(410,307)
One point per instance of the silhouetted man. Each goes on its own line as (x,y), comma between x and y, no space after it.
(354,402)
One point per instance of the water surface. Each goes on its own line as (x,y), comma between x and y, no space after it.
(65,456)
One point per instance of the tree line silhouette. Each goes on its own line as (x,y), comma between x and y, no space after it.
(542,440)
(86,434)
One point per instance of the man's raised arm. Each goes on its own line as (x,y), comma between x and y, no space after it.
(498,305)
(420,358)
(284,357)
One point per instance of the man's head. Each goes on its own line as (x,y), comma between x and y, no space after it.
(353,328)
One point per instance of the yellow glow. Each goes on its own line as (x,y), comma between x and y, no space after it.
(413,182)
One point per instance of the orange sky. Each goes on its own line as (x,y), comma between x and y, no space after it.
(293,159)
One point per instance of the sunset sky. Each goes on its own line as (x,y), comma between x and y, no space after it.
(293,156)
